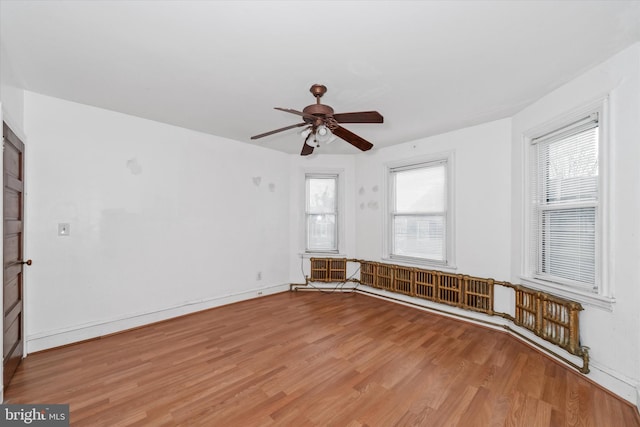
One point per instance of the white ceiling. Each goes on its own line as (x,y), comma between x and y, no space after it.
(221,66)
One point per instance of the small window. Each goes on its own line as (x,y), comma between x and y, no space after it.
(565,205)
(419,212)
(322,213)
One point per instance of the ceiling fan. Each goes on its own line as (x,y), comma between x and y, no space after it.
(323,125)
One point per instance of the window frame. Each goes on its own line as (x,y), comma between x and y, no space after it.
(446,159)
(601,294)
(335,175)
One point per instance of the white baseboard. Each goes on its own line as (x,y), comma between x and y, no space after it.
(56,338)
(615,382)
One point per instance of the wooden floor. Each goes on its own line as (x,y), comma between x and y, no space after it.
(312,359)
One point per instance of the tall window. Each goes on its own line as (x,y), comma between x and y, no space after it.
(419,212)
(322,213)
(564,210)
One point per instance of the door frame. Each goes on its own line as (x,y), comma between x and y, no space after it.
(18,132)
(2,255)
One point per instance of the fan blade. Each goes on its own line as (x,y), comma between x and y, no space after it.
(352,138)
(278,130)
(299,113)
(306,149)
(359,117)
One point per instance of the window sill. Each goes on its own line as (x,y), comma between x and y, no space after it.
(420,264)
(583,297)
(322,255)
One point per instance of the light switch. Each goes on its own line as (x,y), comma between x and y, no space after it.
(64,229)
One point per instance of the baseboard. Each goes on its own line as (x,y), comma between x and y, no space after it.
(56,338)
(608,379)
(615,382)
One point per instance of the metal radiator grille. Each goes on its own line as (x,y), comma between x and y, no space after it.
(384,277)
(449,289)
(328,269)
(554,319)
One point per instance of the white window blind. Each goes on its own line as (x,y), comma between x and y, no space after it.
(321,213)
(565,197)
(419,211)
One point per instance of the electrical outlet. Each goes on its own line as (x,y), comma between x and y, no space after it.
(259,275)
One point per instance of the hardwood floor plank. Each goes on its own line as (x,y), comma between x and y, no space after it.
(311,359)
(500,405)
(479,412)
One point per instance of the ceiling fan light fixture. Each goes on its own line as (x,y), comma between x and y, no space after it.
(310,141)
(305,132)
(322,130)
(324,134)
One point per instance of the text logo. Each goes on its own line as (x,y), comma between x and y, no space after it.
(34,415)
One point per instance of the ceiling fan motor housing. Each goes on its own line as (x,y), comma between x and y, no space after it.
(319,110)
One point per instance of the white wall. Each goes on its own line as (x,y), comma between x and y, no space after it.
(163,221)
(613,336)
(11,96)
(482,200)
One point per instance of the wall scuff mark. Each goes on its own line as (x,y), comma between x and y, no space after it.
(134,167)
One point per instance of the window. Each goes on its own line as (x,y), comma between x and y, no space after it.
(321,213)
(565,204)
(419,220)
